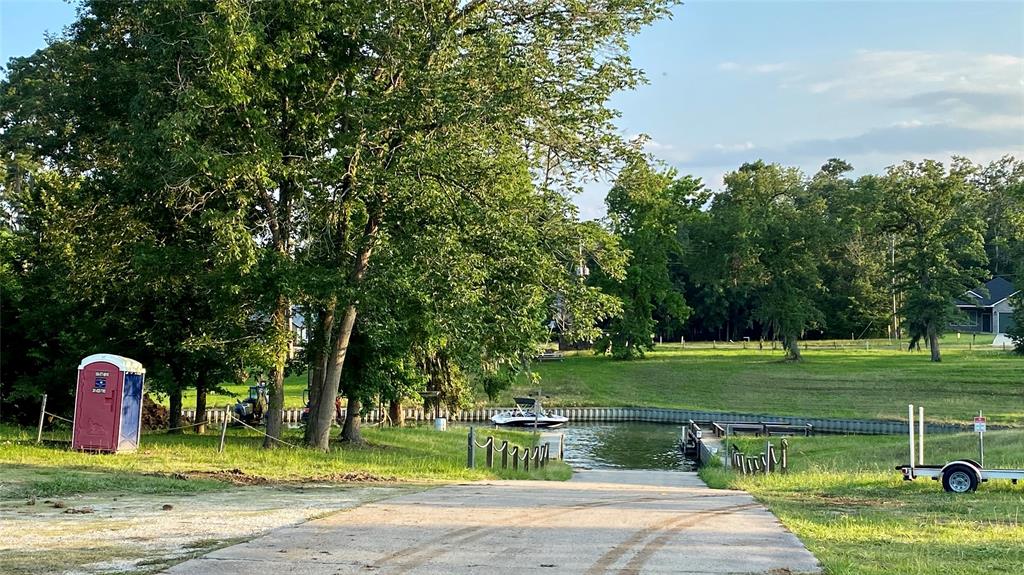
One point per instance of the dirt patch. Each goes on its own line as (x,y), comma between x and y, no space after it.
(145,533)
(241,478)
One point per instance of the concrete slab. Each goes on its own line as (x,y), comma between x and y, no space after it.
(600,522)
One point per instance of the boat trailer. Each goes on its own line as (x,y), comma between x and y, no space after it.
(959,476)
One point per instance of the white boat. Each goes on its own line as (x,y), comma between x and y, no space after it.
(528,413)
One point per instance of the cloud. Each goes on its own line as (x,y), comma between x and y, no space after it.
(904,139)
(765,68)
(902,74)
(959,101)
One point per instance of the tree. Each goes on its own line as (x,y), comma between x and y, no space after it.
(855,268)
(939,245)
(1016,333)
(81,119)
(774,251)
(647,209)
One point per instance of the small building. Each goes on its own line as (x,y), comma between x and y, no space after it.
(992,313)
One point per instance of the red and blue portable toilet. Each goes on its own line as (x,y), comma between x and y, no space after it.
(108,404)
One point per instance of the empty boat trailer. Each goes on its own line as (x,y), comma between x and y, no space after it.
(960,476)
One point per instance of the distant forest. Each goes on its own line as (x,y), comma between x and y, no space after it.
(778,254)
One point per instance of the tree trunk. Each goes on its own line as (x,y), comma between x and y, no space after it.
(350,432)
(319,370)
(275,391)
(321,434)
(933,343)
(395,413)
(792,345)
(174,423)
(201,404)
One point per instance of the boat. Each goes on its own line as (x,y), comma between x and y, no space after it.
(528,413)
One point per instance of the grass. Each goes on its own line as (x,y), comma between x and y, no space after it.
(830,382)
(293,386)
(403,454)
(851,508)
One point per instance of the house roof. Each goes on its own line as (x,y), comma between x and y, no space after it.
(998,290)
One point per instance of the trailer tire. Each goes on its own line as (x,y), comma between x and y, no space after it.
(959,479)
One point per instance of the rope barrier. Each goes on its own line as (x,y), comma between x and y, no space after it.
(188,426)
(244,424)
(58,417)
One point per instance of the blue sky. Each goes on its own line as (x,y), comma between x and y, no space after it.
(791,82)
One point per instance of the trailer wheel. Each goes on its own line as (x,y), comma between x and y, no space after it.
(959,479)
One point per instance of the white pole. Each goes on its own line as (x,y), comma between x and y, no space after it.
(920,435)
(910,413)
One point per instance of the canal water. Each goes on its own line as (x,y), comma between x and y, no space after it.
(631,445)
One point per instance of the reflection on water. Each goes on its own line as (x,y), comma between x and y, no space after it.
(624,446)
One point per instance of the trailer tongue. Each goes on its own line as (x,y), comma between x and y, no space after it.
(960,476)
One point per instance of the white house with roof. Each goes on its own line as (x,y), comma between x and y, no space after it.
(991,313)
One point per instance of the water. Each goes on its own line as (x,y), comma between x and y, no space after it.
(624,446)
(632,445)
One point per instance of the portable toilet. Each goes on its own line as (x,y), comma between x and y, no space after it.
(108,404)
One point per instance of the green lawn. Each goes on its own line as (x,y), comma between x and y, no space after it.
(851,508)
(411,453)
(830,382)
(839,379)
(293,386)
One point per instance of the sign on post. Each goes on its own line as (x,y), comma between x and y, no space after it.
(979,428)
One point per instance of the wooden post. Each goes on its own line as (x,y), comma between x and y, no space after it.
(515,458)
(490,452)
(42,416)
(223,431)
(470,452)
(561,446)
(526,460)
(504,454)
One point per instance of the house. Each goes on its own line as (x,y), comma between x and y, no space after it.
(992,313)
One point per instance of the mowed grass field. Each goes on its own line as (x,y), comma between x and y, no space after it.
(840,379)
(847,503)
(854,383)
(391,454)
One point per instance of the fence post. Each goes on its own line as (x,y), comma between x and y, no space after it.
(42,415)
(561,446)
(470,455)
(526,460)
(223,431)
(515,458)
(490,452)
(504,454)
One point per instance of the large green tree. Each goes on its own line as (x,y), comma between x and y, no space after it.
(648,210)
(773,248)
(939,245)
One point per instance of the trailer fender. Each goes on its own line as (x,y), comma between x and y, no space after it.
(961,476)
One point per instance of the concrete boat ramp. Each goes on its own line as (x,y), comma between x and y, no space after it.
(600,522)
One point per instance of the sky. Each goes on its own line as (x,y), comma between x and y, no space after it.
(793,82)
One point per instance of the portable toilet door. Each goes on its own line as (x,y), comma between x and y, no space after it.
(108,404)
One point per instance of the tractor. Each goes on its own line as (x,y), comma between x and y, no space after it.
(251,409)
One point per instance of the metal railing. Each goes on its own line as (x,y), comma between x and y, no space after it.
(764,462)
(539,455)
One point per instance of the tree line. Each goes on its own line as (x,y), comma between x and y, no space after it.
(182,180)
(782,256)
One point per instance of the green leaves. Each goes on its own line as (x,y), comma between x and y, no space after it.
(648,210)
